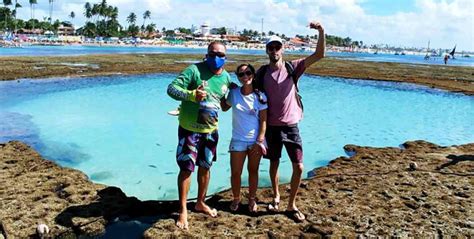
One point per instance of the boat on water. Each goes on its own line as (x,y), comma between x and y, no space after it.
(427,56)
(452,52)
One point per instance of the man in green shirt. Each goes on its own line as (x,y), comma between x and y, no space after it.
(200,88)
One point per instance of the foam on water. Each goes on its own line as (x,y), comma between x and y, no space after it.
(116,129)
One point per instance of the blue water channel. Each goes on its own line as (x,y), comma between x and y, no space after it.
(71,50)
(116,129)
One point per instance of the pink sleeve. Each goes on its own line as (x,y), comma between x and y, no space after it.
(298,65)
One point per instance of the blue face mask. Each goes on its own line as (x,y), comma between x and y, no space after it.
(216,62)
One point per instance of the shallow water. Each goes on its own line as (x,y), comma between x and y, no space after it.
(116,129)
(89,50)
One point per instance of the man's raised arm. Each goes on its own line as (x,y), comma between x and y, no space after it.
(320,46)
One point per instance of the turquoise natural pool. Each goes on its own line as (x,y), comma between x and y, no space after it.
(116,129)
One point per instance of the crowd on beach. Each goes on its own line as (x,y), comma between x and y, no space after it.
(266,110)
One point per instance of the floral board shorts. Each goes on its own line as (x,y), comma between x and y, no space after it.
(196,149)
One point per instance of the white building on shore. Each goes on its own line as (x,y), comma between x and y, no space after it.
(205,29)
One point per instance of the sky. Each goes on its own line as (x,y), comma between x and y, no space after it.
(404,23)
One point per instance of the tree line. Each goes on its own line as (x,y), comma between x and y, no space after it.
(102,20)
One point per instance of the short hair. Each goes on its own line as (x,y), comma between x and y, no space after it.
(215,43)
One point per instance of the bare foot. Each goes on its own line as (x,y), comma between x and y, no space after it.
(182,221)
(253,207)
(204,208)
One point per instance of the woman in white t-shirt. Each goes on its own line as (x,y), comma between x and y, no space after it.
(249,116)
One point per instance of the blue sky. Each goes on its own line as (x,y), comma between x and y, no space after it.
(387,7)
(394,22)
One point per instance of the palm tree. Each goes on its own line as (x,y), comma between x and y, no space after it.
(132,18)
(6,3)
(87,10)
(17,5)
(146,15)
(32,8)
(51,3)
(114,13)
(72,15)
(132,28)
(95,11)
(103,9)
(150,28)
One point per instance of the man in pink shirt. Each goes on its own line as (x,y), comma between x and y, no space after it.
(284,113)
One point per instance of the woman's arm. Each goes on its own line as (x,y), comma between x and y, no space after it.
(259,147)
(262,125)
(224,104)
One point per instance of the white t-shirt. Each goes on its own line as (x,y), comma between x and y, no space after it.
(245,114)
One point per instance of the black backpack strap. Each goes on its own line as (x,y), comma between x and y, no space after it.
(291,72)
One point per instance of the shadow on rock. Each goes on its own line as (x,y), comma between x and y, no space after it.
(455,159)
(91,219)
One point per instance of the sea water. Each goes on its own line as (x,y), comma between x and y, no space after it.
(116,129)
(72,50)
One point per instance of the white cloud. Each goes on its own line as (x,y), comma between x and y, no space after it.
(443,22)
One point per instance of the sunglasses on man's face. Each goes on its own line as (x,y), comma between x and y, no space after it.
(214,54)
(274,47)
(248,73)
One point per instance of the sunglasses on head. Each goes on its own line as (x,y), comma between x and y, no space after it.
(214,54)
(274,47)
(248,73)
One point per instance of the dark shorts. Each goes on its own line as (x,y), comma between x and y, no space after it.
(277,136)
(196,149)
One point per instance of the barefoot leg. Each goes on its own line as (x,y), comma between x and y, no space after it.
(184,182)
(203,182)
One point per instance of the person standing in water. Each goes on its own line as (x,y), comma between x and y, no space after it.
(200,88)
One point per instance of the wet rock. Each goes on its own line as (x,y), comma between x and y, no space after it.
(462,194)
(413,166)
(412,205)
(385,199)
(316,229)
(386,194)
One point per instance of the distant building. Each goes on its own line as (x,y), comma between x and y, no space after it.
(65,30)
(234,38)
(298,42)
(205,29)
(31,31)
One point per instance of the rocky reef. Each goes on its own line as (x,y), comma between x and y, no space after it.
(418,190)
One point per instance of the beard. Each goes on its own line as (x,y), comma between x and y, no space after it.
(274,59)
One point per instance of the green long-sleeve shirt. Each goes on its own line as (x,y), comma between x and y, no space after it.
(200,117)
